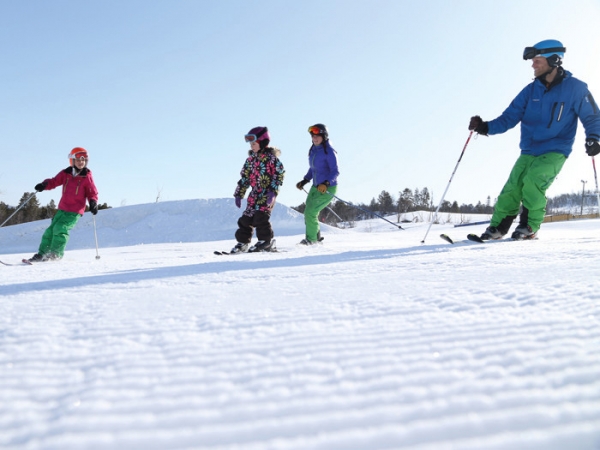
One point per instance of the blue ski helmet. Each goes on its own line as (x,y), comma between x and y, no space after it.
(550,49)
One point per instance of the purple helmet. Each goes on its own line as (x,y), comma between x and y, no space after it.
(260,134)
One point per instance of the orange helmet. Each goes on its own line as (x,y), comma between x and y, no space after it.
(78,153)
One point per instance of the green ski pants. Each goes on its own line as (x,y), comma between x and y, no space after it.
(315,203)
(527,183)
(56,236)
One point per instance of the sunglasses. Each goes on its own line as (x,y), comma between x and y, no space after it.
(315,130)
(532,52)
(250,138)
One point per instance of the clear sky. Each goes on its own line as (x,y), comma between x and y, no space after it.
(162,92)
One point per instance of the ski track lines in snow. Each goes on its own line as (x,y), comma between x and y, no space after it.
(371,341)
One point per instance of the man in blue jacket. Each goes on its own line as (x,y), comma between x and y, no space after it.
(548,109)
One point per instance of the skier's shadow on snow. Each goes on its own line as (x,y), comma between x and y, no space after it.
(227,263)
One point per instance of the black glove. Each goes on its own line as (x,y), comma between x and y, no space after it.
(592,147)
(93,207)
(301,184)
(41,186)
(478,125)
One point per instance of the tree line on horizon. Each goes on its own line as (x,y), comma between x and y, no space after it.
(386,204)
(31,211)
(421,200)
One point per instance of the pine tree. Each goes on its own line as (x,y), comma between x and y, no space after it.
(405,201)
(28,212)
(386,203)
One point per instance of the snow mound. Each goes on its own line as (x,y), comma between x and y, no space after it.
(198,220)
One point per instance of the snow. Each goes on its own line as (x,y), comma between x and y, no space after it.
(370,341)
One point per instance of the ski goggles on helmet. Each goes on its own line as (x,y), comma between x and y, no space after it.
(315,130)
(532,52)
(79,157)
(258,133)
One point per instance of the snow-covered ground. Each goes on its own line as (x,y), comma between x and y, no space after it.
(370,341)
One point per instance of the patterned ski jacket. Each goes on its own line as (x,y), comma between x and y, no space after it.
(548,116)
(76,189)
(263,172)
(323,164)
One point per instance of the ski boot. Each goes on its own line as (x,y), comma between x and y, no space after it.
(239,248)
(523,232)
(263,246)
(307,242)
(491,233)
(37,258)
(51,257)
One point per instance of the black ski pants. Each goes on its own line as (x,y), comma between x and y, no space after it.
(247,224)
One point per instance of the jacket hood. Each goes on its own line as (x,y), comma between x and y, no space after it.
(269,150)
(83,173)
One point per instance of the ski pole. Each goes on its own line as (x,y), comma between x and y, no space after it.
(95,236)
(365,210)
(18,209)
(596,180)
(444,194)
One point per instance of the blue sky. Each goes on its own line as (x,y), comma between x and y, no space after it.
(161,93)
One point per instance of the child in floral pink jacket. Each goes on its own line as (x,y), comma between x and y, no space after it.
(263,172)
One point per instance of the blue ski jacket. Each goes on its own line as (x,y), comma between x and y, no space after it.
(548,116)
(323,165)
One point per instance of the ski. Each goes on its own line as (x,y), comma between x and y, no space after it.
(447,238)
(475,238)
(216,252)
(271,249)
(24,262)
(471,237)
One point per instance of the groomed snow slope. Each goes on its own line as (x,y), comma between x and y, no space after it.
(370,341)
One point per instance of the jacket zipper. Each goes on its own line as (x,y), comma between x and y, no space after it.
(76,189)
(314,168)
(560,111)
(552,114)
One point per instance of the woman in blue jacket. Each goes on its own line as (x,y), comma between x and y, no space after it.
(323,171)
(548,110)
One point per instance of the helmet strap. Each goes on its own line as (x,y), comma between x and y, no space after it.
(554,60)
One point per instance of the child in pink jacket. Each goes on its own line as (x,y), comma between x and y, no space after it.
(77,187)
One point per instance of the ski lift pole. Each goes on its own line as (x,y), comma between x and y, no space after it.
(18,209)
(365,210)
(596,180)
(450,181)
